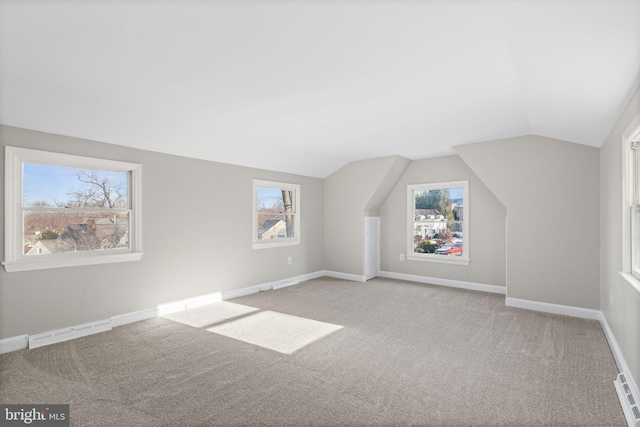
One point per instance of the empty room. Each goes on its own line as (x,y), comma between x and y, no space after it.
(320,213)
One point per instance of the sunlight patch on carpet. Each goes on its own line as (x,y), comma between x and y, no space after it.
(210,314)
(276,331)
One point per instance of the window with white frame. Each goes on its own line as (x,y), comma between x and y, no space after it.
(63,210)
(276,214)
(438,222)
(631,216)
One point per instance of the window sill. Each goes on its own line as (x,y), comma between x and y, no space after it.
(632,281)
(266,245)
(442,259)
(73,261)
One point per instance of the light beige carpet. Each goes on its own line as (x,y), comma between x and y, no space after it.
(276,331)
(407,355)
(210,314)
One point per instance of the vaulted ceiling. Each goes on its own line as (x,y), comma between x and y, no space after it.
(307,86)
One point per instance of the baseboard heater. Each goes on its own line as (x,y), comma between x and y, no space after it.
(66,334)
(628,396)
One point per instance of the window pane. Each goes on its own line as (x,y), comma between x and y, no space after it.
(57,231)
(276,212)
(274,200)
(438,216)
(440,238)
(272,226)
(58,186)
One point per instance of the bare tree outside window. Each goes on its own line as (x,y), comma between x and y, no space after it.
(88,210)
(98,191)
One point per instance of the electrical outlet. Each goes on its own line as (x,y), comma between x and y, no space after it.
(290,260)
(401,257)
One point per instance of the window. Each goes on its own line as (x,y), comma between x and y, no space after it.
(276,214)
(63,210)
(437,223)
(631,216)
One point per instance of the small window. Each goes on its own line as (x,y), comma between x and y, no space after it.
(438,218)
(276,214)
(63,210)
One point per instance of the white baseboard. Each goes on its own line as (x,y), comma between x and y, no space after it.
(613,344)
(296,280)
(136,316)
(615,349)
(344,276)
(624,369)
(14,343)
(183,304)
(311,276)
(284,283)
(472,286)
(545,307)
(237,293)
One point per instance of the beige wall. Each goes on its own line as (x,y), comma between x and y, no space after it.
(356,190)
(487,246)
(619,302)
(550,189)
(197,235)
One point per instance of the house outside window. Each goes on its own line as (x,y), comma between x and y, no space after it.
(63,210)
(276,214)
(437,222)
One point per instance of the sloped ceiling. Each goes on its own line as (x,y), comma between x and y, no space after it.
(307,86)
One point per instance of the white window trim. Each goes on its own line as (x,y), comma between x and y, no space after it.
(15,260)
(461,260)
(258,244)
(632,133)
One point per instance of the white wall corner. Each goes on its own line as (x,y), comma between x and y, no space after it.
(472,286)
(14,343)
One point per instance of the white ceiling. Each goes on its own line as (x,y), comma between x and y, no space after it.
(307,86)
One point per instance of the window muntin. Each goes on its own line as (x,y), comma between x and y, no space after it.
(276,214)
(63,210)
(438,222)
